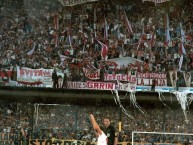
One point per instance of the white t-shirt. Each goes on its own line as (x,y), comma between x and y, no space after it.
(102,139)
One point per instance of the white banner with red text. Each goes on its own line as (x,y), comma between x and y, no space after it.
(135,81)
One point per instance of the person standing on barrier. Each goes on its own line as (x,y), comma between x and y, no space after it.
(110,132)
(101,137)
(55,78)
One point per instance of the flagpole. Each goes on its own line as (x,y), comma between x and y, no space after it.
(95,18)
(69,36)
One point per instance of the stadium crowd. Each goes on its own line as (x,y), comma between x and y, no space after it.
(31,37)
(40,34)
(24,121)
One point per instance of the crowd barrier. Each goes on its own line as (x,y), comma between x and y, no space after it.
(78,142)
(13,139)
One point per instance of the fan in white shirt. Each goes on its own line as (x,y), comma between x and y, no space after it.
(102,138)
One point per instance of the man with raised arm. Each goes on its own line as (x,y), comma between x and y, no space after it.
(101,137)
(110,131)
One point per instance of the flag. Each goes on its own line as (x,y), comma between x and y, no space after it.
(181,61)
(168,39)
(182,50)
(105,30)
(32,50)
(139,42)
(63,57)
(70,41)
(56,27)
(142,24)
(84,39)
(104,50)
(127,23)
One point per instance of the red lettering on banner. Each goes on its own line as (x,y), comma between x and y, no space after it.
(100,85)
(74,85)
(161,82)
(140,82)
(96,85)
(123,77)
(21,72)
(9,73)
(40,73)
(26,72)
(35,72)
(129,78)
(46,73)
(114,76)
(31,72)
(133,79)
(105,76)
(92,75)
(151,75)
(110,78)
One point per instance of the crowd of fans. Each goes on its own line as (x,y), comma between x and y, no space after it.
(70,43)
(72,122)
(27,25)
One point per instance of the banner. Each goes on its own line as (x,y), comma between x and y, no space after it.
(44,78)
(28,76)
(78,142)
(143,79)
(129,77)
(92,75)
(37,77)
(74,2)
(91,85)
(101,86)
(55,141)
(126,86)
(146,79)
(5,75)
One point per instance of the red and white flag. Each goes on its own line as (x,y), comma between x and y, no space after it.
(104,50)
(127,23)
(63,57)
